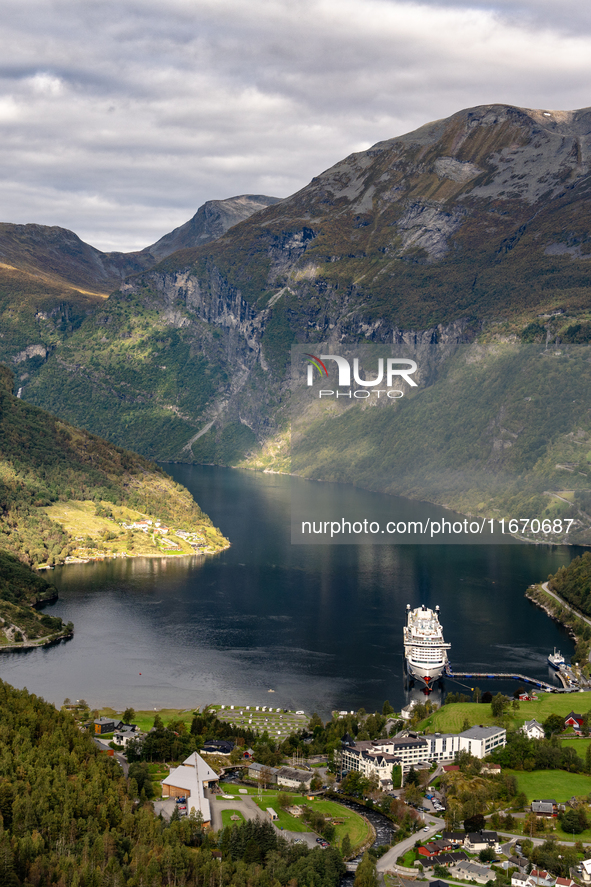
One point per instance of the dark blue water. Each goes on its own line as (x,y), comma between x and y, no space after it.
(319,625)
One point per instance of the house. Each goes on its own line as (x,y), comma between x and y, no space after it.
(521,880)
(406,712)
(451,768)
(491,769)
(573,720)
(434,848)
(450,858)
(565,882)
(533,729)
(291,778)
(542,878)
(454,838)
(472,871)
(586,873)
(477,841)
(520,861)
(190,781)
(218,747)
(544,808)
(254,772)
(106,725)
(127,733)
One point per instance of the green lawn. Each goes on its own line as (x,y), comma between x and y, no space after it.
(145,719)
(579,745)
(450,718)
(227,817)
(352,824)
(556,784)
(158,772)
(409,857)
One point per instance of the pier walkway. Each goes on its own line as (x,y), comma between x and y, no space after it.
(512,676)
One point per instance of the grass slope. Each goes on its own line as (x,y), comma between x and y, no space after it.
(64,492)
(556,784)
(349,822)
(450,718)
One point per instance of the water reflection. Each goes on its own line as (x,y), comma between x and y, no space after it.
(319,625)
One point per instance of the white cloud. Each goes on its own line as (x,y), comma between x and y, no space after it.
(118,121)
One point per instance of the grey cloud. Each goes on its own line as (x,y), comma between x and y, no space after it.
(119,120)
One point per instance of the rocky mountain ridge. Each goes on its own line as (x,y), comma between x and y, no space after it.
(473,225)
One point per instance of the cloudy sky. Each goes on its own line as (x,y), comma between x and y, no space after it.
(120,119)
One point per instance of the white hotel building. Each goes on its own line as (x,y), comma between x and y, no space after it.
(410,751)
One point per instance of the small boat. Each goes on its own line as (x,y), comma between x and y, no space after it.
(556,659)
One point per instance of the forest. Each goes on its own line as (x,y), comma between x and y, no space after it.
(573,583)
(69,817)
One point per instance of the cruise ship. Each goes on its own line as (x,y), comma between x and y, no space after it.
(424,648)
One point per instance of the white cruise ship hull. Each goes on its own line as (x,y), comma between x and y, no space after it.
(425,650)
(427,674)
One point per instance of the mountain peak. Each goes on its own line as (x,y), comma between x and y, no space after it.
(210,221)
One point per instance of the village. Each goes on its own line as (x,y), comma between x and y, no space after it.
(418,779)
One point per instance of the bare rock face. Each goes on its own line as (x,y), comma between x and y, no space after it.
(210,221)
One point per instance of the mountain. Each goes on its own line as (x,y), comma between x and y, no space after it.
(472,229)
(210,221)
(469,226)
(50,279)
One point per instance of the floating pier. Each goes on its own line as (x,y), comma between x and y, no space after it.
(501,675)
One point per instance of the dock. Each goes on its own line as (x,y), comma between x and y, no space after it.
(502,675)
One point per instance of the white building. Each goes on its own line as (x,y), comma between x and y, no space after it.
(412,751)
(190,780)
(381,755)
(291,778)
(518,880)
(533,729)
(477,841)
(481,741)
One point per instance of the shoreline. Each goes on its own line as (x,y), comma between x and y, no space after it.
(259,470)
(559,612)
(40,643)
(117,556)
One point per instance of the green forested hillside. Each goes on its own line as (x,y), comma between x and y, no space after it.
(499,431)
(573,583)
(44,461)
(69,817)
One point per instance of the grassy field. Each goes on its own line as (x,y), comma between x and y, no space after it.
(158,772)
(278,723)
(556,784)
(349,822)
(79,518)
(145,719)
(275,720)
(227,817)
(579,745)
(450,718)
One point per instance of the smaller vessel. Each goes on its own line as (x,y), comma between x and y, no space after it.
(556,660)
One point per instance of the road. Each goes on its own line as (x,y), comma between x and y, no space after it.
(387,863)
(564,604)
